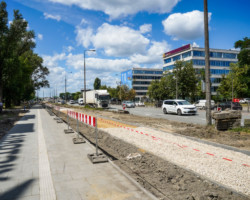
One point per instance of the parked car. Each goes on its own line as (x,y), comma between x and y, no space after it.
(178,106)
(71,101)
(139,104)
(229,104)
(201,104)
(128,104)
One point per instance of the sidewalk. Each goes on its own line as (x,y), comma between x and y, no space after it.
(39,161)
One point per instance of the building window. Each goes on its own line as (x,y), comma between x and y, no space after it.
(167,60)
(214,63)
(176,58)
(141,82)
(146,72)
(147,77)
(187,54)
(214,88)
(199,53)
(229,55)
(140,88)
(215,54)
(219,71)
(167,68)
(215,80)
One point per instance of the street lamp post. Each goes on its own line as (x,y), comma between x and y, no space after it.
(85,74)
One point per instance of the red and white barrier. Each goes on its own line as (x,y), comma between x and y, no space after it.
(86,119)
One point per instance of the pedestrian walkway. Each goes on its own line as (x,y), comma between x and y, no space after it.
(39,161)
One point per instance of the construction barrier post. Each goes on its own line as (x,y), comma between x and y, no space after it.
(68,130)
(97,157)
(96,139)
(78,139)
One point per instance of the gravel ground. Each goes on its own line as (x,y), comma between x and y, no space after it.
(209,161)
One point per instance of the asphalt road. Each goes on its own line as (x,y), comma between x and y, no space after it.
(199,118)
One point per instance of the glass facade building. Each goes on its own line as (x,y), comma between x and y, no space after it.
(139,79)
(219,61)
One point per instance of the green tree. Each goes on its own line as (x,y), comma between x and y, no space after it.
(103,87)
(186,79)
(97,83)
(21,70)
(244,62)
(113,92)
(232,83)
(154,90)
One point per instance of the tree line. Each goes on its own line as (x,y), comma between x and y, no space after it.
(21,69)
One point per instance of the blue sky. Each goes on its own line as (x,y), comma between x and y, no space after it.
(125,34)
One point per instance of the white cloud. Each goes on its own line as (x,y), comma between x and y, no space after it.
(186,26)
(70,48)
(145,28)
(99,65)
(119,40)
(154,54)
(115,40)
(195,44)
(49,16)
(84,36)
(40,36)
(119,8)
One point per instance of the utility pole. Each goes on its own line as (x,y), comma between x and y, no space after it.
(176,86)
(207,67)
(65,90)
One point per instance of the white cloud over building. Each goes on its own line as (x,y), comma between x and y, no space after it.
(186,26)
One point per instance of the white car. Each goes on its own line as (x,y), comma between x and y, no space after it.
(178,106)
(201,104)
(139,104)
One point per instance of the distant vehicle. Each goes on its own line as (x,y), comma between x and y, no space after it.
(97,98)
(178,106)
(80,101)
(115,101)
(229,104)
(71,101)
(139,104)
(128,104)
(201,104)
(245,100)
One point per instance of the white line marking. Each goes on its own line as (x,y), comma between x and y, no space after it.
(47,191)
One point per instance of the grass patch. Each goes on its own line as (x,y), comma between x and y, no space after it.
(241,129)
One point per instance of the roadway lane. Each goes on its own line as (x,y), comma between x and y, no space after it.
(199,118)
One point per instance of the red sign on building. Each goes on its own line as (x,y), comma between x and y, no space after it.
(183,48)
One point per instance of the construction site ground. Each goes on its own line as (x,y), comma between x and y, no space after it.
(164,179)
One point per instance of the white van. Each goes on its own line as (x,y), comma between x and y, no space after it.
(201,104)
(178,106)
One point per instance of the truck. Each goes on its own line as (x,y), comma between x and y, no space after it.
(80,101)
(97,98)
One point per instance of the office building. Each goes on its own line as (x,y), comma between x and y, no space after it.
(219,61)
(139,79)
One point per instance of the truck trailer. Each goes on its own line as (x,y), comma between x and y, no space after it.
(97,98)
